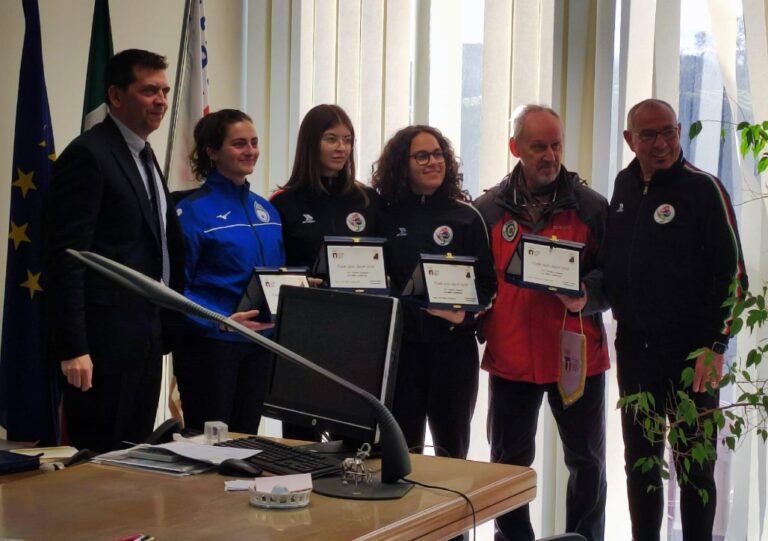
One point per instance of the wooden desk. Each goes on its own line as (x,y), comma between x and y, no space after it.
(103,503)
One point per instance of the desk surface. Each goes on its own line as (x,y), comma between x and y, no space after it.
(100,502)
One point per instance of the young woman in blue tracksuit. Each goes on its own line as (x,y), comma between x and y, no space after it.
(229,230)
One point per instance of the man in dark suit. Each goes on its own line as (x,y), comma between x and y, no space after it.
(107,195)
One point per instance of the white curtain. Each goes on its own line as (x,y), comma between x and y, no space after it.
(390,63)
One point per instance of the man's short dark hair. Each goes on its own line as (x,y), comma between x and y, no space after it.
(119,69)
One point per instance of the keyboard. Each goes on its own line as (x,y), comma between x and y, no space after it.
(285,460)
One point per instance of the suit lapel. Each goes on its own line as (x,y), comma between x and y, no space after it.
(127,164)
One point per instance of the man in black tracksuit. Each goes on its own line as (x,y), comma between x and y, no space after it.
(671,252)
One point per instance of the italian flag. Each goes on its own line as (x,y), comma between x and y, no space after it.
(95,103)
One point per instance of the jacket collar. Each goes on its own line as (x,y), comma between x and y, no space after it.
(661,176)
(224,184)
(510,199)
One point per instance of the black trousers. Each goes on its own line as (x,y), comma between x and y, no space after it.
(437,383)
(512,417)
(646,507)
(126,350)
(222,381)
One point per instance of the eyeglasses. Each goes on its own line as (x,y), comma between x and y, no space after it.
(649,136)
(333,140)
(422,157)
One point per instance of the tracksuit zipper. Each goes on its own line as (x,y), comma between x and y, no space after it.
(243,196)
(646,185)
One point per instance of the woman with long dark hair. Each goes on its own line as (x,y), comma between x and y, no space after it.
(229,230)
(322,196)
(425,211)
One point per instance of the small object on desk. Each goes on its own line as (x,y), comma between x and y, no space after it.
(236,467)
(283,492)
(47,452)
(215,432)
(154,453)
(15,463)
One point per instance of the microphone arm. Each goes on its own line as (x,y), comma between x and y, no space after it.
(395,462)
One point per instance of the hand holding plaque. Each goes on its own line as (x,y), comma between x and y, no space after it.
(444,282)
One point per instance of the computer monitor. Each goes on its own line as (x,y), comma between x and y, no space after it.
(355,336)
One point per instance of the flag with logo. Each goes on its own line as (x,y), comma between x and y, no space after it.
(28,395)
(95,102)
(191,97)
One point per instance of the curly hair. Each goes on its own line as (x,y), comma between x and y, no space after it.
(210,132)
(391,177)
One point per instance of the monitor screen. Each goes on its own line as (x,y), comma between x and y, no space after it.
(355,336)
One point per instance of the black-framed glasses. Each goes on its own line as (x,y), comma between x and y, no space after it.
(422,157)
(649,136)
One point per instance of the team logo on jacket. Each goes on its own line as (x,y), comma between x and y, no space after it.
(664,214)
(179,212)
(308,219)
(443,235)
(509,230)
(355,222)
(261,212)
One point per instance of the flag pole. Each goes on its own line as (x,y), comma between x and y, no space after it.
(183,49)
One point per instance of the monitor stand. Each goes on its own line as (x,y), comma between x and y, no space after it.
(375,490)
(335,487)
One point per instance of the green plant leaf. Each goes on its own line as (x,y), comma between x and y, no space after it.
(742,125)
(686,377)
(694,130)
(736,325)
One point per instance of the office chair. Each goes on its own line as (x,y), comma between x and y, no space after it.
(565,537)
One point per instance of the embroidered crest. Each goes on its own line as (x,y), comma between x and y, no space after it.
(443,235)
(355,222)
(179,211)
(509,230)
(664,214)
(261,212)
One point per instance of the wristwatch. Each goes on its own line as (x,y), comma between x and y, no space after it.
(718,347)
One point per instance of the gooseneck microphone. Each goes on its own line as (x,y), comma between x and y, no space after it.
(395,462)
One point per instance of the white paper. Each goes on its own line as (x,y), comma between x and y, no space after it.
(270,285)
(238,485)
(294,483)
(356,267)
(551,266)
(206,453)
(450,283)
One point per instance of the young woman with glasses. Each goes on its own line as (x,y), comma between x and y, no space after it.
(426,211)
(322,196)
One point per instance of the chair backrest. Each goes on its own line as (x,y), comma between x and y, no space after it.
(565,537)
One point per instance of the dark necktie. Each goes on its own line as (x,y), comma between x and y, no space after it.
(148,159)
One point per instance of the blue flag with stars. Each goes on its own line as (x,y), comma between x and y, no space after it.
(28,396)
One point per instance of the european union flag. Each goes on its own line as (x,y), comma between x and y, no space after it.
(28,396)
